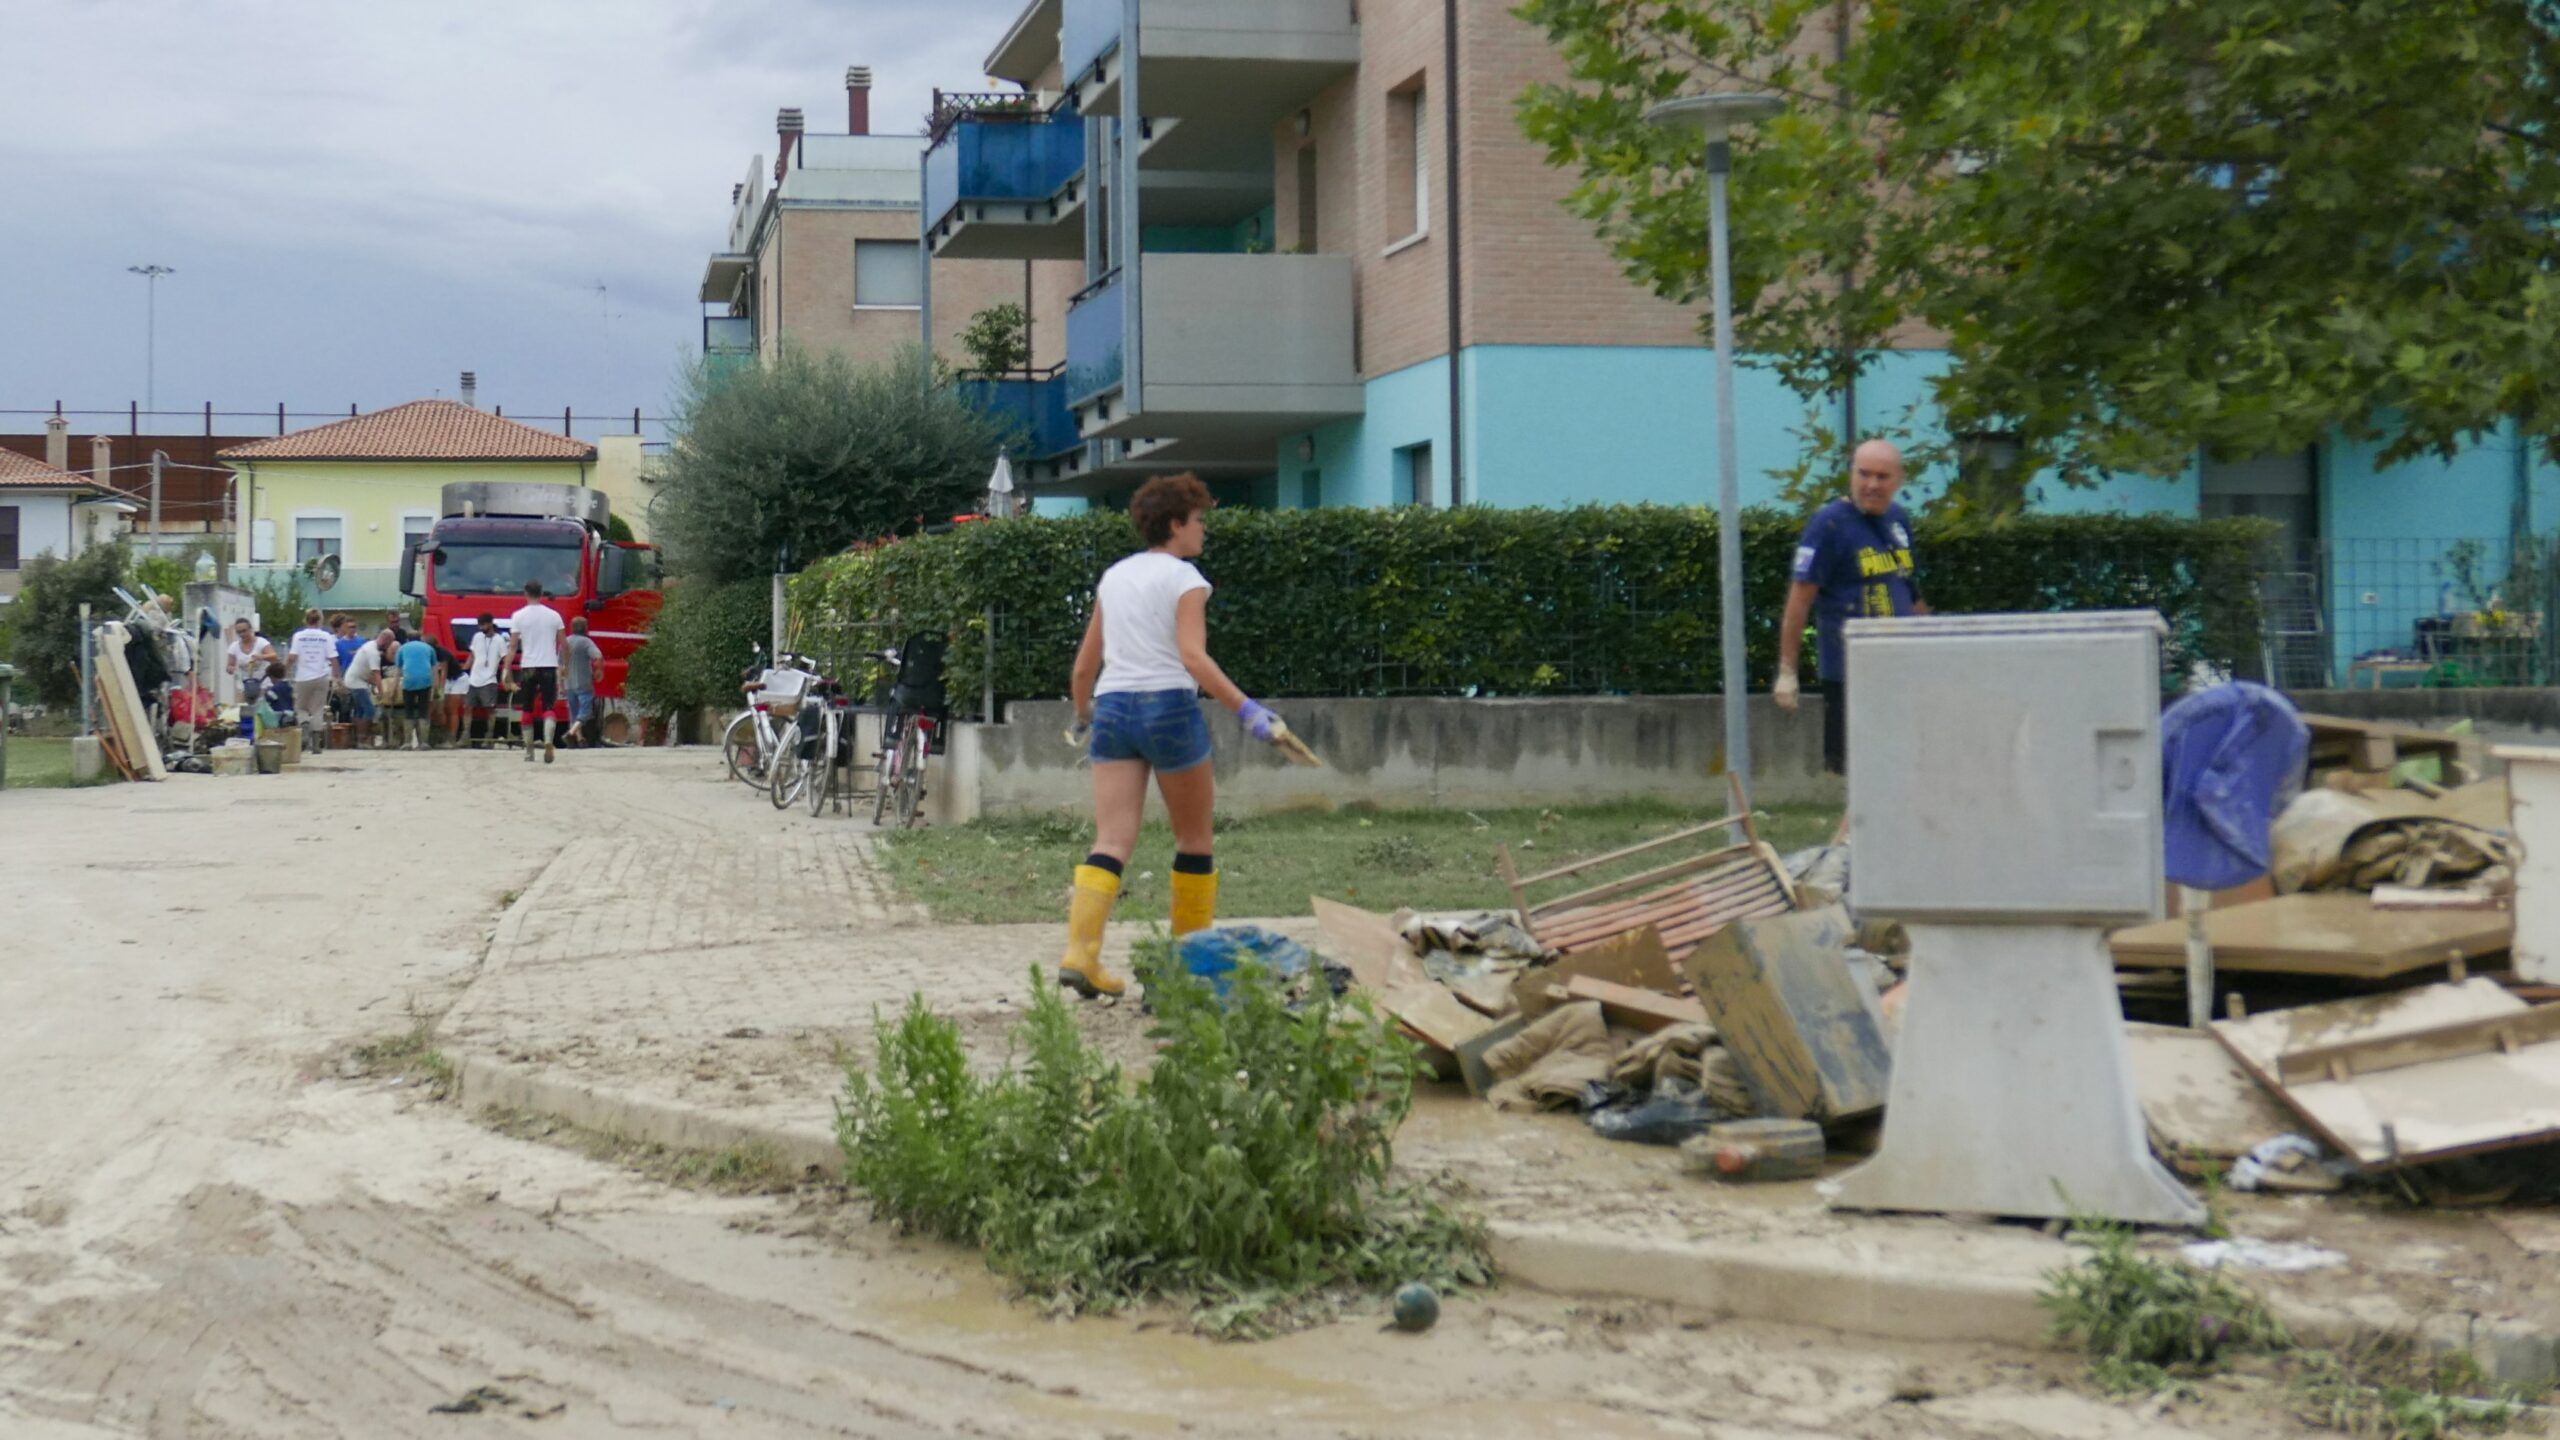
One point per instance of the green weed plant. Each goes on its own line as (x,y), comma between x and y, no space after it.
(1247,1177)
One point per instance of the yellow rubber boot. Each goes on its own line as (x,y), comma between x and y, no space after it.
(1080,969)
(1195,901)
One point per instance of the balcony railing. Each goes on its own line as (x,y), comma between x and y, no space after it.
(1211,57)
(992,182)
(728,333)
(1036,403)
(1094,339)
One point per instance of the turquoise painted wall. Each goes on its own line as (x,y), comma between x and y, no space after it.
(1355,459)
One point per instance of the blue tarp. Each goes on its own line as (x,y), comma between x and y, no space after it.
(2230,760)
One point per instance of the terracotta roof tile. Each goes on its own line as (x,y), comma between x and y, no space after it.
(419,430)
(25,472)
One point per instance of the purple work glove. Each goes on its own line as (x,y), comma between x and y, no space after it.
(1259,721)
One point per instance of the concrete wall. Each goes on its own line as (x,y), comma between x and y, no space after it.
(1240,334)
(1418,753)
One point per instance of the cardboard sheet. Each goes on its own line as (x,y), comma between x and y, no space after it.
(2197,1101)
(1802,1025)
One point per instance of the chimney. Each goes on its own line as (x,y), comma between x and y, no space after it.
(787,126)
(101,460)
(57,443)
(471,388)
(857,99)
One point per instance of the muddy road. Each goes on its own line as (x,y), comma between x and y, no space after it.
(215,1223)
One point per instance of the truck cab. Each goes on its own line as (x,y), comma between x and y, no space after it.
(493,538)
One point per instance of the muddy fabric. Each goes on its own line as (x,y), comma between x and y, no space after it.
(2339,840)
(1667,1055)
(1546,1066)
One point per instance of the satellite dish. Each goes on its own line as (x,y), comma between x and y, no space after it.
(324,572)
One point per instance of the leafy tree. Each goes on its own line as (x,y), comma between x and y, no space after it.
(45,618)
(998,339)
(787,463)
(702,637)
(2142,226)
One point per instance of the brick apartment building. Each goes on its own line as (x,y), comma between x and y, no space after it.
(824,254)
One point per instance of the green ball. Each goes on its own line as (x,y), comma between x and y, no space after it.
(1417,1309)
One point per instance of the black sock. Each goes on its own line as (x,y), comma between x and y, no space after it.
(1186,863)
(1100,861)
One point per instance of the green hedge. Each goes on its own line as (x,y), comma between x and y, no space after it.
(702,638)
(1596,600)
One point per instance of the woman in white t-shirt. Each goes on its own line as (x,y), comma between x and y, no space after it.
(1139,677)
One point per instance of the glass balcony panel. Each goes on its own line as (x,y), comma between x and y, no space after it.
(1094,339)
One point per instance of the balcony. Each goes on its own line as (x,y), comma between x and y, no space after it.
(1002,179)
(1240,348)
(1035,403)
(1210,58)
(728,342)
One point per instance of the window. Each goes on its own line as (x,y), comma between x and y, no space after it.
(888,273)
(1988,473)
(1414,464)
(318,535)
(1310,489)
(1409,154)
(414,527)
(262,542)
(8,537)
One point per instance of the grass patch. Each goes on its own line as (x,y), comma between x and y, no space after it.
(39,762)
(2152,1325)
(1245,1177)
(411,1054)
(753,1168)
(1016,868)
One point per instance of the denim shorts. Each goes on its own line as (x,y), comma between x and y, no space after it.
(1162,727)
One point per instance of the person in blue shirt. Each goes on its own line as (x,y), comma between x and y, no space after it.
(419,664)
(1854,559)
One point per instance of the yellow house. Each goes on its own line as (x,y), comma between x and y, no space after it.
(363,488)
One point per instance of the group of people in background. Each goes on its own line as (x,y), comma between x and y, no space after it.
(400,689)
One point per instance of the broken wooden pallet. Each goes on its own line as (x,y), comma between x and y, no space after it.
(1684,901)
(2412,1076)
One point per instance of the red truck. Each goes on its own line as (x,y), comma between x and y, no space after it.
(496,535)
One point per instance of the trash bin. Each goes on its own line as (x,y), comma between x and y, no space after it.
(289,737)
(270,757)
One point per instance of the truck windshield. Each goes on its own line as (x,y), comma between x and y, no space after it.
(479,569)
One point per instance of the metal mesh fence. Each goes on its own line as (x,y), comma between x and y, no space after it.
(2385,613)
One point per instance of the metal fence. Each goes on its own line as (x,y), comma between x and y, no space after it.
(2387,613)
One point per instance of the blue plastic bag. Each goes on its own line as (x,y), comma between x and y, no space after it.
(2230,760)
(1213,954)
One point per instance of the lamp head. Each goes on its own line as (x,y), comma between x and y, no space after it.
(1717,115)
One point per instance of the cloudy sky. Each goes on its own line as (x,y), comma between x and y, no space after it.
(362,198)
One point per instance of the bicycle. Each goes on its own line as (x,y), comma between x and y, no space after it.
(753,739)
(907,731)
(823,747)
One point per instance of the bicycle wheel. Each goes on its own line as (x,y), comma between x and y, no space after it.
(884,773)
(912,753)
(821,782)
(788,772)
(738,750)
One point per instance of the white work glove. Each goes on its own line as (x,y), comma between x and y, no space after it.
(1785,691)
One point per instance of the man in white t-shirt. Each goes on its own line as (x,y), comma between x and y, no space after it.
(488,655)
(315,670)
(362,676)
(534,650)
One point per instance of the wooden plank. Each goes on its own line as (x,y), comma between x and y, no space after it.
(1704,898)
(1736,874)
(2368,1055)
(2463,1105)
(1798,1021)
(2330,933)
(2197,1100)
(1582,900)
(1644,1010)
(1636,958)
(1364,942)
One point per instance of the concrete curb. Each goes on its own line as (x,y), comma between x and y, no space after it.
(1788,1282)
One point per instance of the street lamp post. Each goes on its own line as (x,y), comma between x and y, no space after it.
(1718,116)
(150,329)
